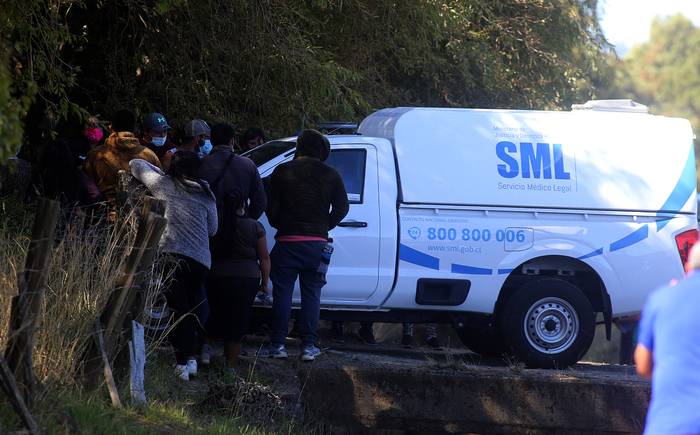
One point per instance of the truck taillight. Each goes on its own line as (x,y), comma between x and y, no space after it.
(684,242)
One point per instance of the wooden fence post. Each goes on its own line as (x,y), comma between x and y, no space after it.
(120,303)
(137,357)
(135,301)
(26,305)
(115,313)
(107,367)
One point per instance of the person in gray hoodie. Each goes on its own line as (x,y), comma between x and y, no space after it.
(190,208)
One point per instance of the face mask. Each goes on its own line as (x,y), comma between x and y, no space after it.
(159,141)
(205,147)
(93,135)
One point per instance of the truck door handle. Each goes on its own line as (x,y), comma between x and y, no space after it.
(353,224)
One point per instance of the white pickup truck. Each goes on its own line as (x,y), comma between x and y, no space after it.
(518,227)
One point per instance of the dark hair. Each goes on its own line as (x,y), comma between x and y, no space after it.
(123,120)
(311,143)
(252,133)
(221,134)
(185,166)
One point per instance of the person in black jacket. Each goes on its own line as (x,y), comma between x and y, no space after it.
(307,199)
(228,175)
(225,171)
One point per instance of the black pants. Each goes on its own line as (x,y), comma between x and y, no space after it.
(183,297)
(231,305)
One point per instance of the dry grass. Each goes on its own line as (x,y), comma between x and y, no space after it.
(85,264)
(15,226)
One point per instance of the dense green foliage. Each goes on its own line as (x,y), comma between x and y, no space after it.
(34,36)
(665,71)
(285,64)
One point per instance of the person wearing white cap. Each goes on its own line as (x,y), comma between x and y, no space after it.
(195,139)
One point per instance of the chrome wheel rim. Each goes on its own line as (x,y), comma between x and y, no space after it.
(551,325)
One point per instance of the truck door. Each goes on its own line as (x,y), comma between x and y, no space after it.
(354,270)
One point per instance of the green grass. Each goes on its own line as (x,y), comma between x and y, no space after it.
(172,408)
(72,412)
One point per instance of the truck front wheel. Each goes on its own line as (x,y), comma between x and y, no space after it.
(548,323)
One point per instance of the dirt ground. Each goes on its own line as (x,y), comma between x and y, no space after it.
(283,383)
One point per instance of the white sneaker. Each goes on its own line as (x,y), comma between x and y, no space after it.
(192,367)
(309,353)
(273,351)
(205,355)
(182,372)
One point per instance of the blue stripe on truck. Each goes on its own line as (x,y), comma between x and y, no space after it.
(470,270)
(634,237)
(680,194)
(414,256)
(595,253)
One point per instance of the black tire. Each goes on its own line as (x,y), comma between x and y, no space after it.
(560,325)
(484,341)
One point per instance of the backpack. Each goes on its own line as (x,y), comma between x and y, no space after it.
(222,244)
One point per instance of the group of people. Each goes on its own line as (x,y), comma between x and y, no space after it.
(213,197)
(215,249)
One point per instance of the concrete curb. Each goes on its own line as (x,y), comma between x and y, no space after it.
(393,398)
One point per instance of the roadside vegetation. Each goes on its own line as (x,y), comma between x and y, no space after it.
(82,274)
(283,65)
(662,73)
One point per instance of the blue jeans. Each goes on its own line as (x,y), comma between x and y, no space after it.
(289,261)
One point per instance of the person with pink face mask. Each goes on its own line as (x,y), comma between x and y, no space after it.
(82,138)
(104,162)
(93,132)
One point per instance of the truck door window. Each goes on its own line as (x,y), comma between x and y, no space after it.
(268,151)
(350,164)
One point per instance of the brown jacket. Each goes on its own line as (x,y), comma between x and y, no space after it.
(104,162)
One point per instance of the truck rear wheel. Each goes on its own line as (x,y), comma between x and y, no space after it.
(548,323)
(484,341)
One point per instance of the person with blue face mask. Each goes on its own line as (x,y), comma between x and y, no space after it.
(195,139)
(206,147)
(155,134)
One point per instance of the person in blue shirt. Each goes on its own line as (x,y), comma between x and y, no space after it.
(668,353)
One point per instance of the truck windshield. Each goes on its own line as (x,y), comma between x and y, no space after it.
(268,151)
